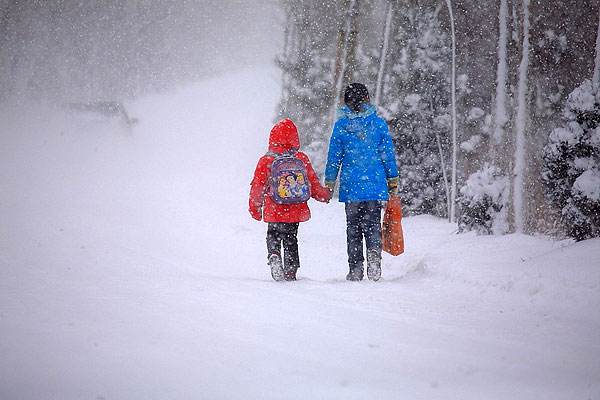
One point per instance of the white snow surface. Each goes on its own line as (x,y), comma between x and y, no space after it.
(130,269)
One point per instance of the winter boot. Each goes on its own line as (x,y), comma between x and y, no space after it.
(355,273)
(290,273)
(373,265)
(276,267)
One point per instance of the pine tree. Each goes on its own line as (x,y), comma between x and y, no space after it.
(415,100)
(571,172)
(484,200)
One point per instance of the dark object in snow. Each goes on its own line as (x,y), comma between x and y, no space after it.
(355,95)
(108,109)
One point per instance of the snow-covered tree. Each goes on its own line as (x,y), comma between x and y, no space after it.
(415,100)
(307,64)
(512,81)
(484,200)
(571,171)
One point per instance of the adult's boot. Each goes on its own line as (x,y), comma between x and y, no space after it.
(355,273)
(373,265)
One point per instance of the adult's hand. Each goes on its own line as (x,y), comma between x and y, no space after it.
(330,185)
(392,184)
(330,195)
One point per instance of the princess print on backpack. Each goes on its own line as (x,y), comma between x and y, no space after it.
(283,182)
(288,185)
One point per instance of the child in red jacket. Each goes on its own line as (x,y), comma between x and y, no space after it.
(274,203)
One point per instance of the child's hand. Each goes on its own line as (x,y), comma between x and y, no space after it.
(329,195)
(256,213)
(323,194)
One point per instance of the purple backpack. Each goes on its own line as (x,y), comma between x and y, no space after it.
(289,180)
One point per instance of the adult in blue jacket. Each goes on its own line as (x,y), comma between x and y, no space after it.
(362,148)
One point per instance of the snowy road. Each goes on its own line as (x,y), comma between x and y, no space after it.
(129,269)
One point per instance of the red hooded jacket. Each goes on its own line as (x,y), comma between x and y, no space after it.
(283,137)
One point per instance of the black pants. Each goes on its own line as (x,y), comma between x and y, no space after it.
(279,233)
(363,219)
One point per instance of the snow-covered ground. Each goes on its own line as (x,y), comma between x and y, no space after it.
(130,269)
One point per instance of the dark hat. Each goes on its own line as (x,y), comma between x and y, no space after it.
(355,95)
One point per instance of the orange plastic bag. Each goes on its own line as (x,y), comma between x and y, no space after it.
(391,231)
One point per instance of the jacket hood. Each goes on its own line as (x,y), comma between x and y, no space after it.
(346,112)
(284,137)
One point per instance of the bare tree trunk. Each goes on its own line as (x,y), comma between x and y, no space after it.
(444,174)
(454,138)
(596,76)
(520,145)
(384,49)
(352,43)
(501,76)
(342,54)
(339,61)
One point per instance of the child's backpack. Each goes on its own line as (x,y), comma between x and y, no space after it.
(288,180)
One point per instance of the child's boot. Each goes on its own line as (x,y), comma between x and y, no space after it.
(373,265)
(290,273)
(276,267)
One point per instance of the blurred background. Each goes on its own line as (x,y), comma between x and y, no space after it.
(71,50)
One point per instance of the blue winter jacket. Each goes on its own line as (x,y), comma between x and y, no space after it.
(362,147)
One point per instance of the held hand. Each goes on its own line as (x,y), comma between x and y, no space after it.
(329,195)
(324,196)
(330,185)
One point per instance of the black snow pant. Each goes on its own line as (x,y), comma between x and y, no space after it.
(363,219)
(279,233)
